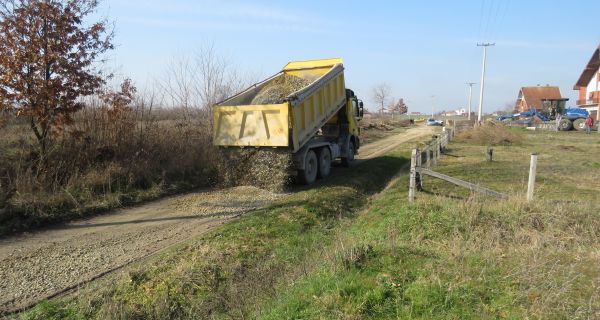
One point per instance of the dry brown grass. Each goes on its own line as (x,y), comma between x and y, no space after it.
(103,160)
(491,134)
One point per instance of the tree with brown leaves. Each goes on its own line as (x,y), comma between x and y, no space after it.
(49,59)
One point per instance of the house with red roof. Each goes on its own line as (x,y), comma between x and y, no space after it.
(588,85)
(533,97)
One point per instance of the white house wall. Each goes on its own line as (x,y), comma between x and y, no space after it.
(593,85)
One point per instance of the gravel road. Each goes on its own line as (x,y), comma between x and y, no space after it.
(42,264)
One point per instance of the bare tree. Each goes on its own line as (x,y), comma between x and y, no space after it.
(381,95)
(48,60)
(177,83)
(216,79)
(200,81)
(509,107)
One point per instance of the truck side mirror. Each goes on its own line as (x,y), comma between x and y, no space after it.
(361,109)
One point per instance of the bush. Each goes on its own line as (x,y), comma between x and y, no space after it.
(100,161)
(491,134)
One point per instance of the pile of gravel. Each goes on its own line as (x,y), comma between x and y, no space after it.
(267,169)
(263,168)
(279,88)
(225,201)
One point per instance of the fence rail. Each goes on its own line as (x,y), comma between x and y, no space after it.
(426,158)
(422,160)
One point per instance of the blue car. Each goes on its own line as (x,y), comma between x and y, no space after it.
(433,122)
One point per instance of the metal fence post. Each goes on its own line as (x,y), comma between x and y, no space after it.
(532,172)
(413,176)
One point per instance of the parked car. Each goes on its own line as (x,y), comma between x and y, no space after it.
(433,122)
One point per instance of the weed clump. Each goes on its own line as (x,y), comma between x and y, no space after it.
(491,134)
(279,88)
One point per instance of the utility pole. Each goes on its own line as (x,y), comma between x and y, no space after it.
(432,105)
(484,45)
(470,84)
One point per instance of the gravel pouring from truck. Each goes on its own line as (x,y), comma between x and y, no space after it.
(316,124)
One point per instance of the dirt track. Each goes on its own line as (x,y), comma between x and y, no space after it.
(385,145)
(40,265)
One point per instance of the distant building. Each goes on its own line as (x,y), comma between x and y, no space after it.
(457,112)
(531,97)
(588,85)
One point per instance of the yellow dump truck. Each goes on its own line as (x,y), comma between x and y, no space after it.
(317,122)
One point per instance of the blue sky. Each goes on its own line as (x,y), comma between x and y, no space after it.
(420,48)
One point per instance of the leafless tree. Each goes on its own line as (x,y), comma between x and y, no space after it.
(509,107)
(381,95)
(177,83)
(200,81)
(216,79)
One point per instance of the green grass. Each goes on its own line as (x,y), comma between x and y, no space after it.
(350,249)
(465,258)
(227,272)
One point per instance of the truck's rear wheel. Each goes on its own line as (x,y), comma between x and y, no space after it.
(579,124)
(324,162)
(311,165)
(347,161)
(565,125)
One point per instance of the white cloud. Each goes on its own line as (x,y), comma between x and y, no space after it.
(220,15)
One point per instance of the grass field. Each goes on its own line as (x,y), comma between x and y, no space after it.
(352,249)
(453,255)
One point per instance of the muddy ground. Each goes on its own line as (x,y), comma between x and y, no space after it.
(45,263)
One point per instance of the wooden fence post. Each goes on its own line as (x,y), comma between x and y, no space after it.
(453,127)
(413,176)
(532,172)
(446,142)
(443,142)
(435,151)
(419,176)
(489,153)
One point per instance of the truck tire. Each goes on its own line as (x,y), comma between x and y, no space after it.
(324,162)
(311,168)
(565,125)
(579,124)
(347,161)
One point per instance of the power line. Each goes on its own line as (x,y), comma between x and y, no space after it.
(501,21)
(488,20)
(494,20)
(479,35)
